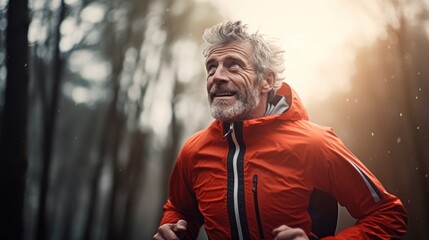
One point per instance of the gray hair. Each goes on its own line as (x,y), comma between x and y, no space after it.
(268,56)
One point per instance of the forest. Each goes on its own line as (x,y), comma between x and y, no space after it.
(98,96)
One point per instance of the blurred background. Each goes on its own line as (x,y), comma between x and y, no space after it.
(97,97)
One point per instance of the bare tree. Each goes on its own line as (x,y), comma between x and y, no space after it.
(13,144)
(49,123)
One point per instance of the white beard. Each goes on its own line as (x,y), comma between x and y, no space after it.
(245,104)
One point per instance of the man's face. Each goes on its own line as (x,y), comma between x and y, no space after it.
(232,85)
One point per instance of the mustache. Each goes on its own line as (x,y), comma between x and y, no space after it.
(221,87)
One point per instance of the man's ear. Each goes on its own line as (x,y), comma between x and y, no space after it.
(268,82)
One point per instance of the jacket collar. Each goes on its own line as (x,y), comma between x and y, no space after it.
(295,110)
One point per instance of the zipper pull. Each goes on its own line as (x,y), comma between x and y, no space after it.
(230,130)
(255,183)
(255,202)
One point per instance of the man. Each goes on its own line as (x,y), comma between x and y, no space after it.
(261,170)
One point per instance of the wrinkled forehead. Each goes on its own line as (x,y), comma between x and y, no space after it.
(238,49)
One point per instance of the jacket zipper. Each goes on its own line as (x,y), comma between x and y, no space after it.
(230,129)
(235,172)
(255,201)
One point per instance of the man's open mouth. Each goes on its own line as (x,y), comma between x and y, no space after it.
(224,94)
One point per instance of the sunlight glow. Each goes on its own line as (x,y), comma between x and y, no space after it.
(89,65)
(89,95)
(319,37)
(71,2)
(93,13)
(186,56)
(72,34)
(3,4)
(81,95)
(37,31)
(96,71)
(157,117)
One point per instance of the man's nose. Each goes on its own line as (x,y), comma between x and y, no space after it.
(220,74)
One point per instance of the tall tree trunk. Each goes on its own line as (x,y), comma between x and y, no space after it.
(408,83)
(108,134)
(117,128)
(113,206)
(49,123)
(13,144)
(133,177)
(73,189)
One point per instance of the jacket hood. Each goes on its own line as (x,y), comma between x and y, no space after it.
(296,109)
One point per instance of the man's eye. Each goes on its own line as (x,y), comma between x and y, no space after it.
(234,65)
(211,69)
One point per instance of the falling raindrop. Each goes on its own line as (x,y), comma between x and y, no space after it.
(400,114)
(372,134)
(398,140)
(418,127)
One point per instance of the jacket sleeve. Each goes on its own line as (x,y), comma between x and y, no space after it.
(181,203)
(379,214)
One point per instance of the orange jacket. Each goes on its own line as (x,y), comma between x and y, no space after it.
(243,180)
